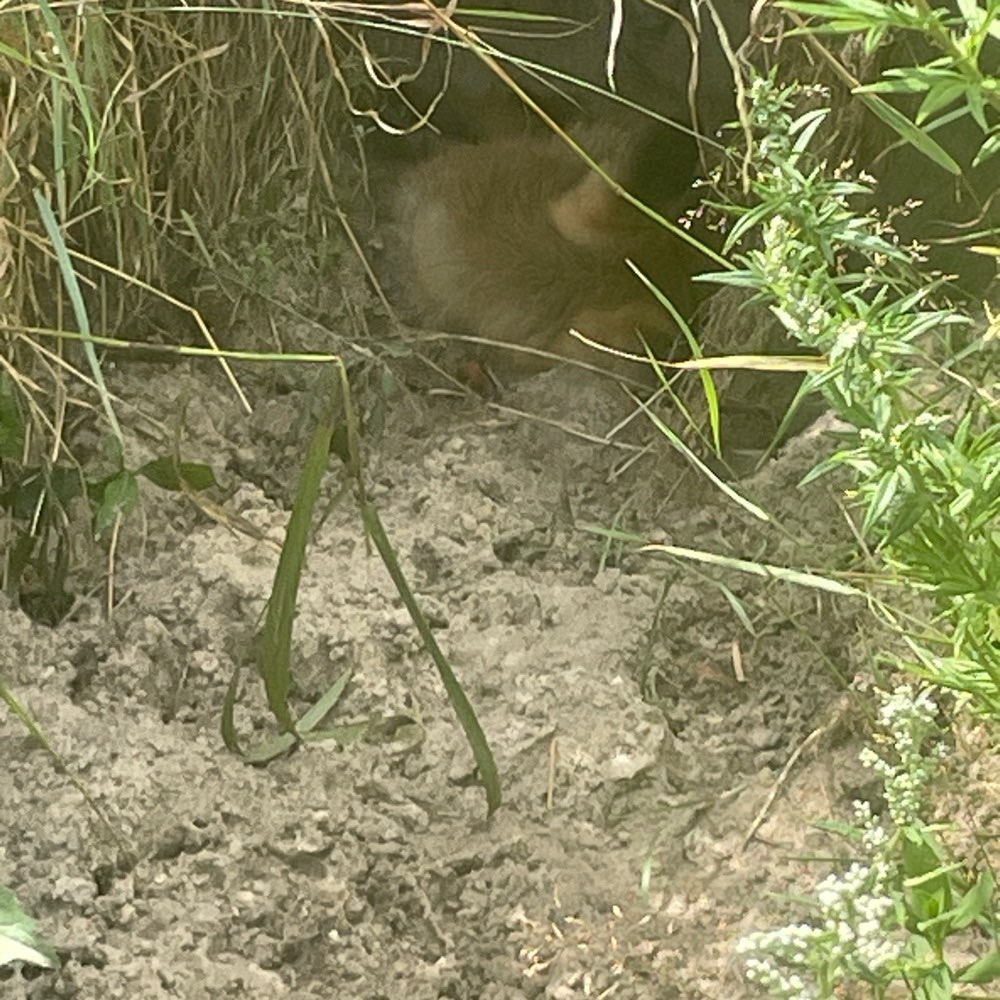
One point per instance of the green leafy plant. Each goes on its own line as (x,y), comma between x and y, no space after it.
(36,497)
(958,81)
(89,246)
(273,650)
(924,438)
(910,376)
(20,940)
(890,915)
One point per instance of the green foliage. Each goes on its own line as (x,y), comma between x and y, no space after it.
(273,645)
(911,379)
(959,80)
(20,940)
(119,117)
(37,497)
(924,443)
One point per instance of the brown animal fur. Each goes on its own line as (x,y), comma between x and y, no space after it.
(514,240)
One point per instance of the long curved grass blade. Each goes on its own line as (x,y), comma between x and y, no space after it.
(227,718)
(913,134)
(65,51)
(305,730)
(675,440)
(707,382)
(769,570)
(79,307)
(327,702)
(274,643)
(463,707)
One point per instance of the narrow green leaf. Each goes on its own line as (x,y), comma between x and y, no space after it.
(274,644)
(227,719)
(938,98)
(884,495)
(481,752)
(975,101)
(905,129)
(893,85)
(344,735)
(842,829)
(805,128)
(54,233)
(738,609)
(66,56)
(268,750)
(326,703)
(983,970)
(748,505)
(973,904)
(20,940)
(707,383)
(169,474)
(988,149)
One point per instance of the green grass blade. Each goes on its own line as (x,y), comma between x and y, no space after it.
(799,577)
(311,719)
(274,643)
(65,51)
(905,129)
(267,751)
(305,731)
(707,382)
(675,440)
(79,307)
(227,719)
(463,708)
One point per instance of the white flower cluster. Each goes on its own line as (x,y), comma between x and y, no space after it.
(851,936)
(874,835)
(908,721)
(856,908)
(787,265)
(789,945)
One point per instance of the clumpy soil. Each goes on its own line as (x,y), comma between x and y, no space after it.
(664,730)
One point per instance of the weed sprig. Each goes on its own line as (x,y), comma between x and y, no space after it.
(911,380)
(924,442)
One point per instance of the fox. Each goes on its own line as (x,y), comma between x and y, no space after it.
(515,241)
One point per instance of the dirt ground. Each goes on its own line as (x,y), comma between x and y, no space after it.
(661,754)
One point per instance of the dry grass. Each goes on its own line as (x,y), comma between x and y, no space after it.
(149,153)
(197,166)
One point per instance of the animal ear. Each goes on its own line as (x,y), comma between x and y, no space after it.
(584,215)
(656,165)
